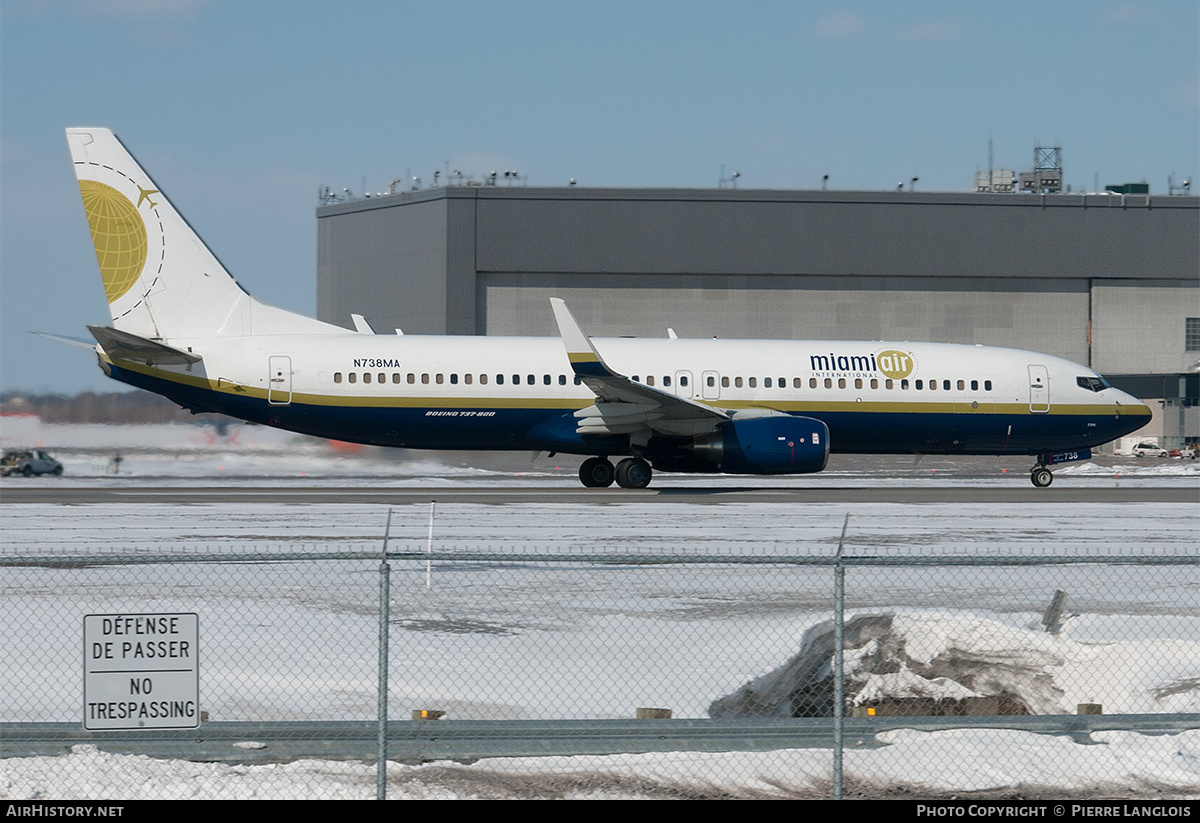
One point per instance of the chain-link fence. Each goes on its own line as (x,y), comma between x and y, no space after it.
(1022,674)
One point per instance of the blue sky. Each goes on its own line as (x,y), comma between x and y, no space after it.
(241,110)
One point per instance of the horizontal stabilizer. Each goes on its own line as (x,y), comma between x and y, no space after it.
(121,345)
(70,341)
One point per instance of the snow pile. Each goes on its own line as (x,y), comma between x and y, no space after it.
(1147,467)
(942,656)
(914,763)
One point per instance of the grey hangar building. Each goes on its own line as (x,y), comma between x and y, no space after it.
(1108,280)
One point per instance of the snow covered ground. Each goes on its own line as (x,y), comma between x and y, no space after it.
(577,640)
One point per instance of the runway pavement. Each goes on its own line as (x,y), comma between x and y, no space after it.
(152,493)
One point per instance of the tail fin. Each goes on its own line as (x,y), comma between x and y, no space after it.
(160,278)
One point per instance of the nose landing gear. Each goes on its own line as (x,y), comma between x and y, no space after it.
(1041,476)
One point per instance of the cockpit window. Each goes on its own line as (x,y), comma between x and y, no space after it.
(1093,383)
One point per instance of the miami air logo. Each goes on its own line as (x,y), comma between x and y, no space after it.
(895,364)
(891,363)
(118,233)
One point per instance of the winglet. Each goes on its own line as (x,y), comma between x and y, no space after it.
(361,325)
(585,360)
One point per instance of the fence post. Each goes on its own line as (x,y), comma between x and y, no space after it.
(839,613)
(385,602)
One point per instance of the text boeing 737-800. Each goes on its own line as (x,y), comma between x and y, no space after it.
(183,328)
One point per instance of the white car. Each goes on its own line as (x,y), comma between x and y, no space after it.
(1148,450)
(29,463)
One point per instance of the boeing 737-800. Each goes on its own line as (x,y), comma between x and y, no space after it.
(183,328)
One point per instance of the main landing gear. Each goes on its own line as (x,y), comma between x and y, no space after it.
(630,473)
(1041,476)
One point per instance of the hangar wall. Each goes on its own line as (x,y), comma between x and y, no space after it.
(1106,280)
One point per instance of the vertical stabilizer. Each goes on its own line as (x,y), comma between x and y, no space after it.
(160,279)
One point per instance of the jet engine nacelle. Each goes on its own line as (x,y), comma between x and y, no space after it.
(779,444)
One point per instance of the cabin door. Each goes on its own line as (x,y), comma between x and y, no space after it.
(1039,389)
(279,380)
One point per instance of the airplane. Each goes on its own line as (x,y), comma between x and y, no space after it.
(144,194)
(182,327)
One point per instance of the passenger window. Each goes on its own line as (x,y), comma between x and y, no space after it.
(724,382)
(889,384)
(499,380)
(396,377)
(454,380)
(918,385)
(797,383)
(782,383)
(974,385)
(737,382)
(483,379)
(858,382)
(439,377)
(366,377)
(841,382)
(562,380)
(753,382)
(412,378)
(516,380)
(353,377)
(766,382)
(987,385)
(337,377)
(425,379)
(933,385)
(874,383)
(649,380)
(666,380)
(829,382)
(812,382)
(467,378)
(683,381)
(946,385)
(711,382)
(904,385)
(578,380)
(545,379)
(382,377)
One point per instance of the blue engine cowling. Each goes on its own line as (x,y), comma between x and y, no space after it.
(779,444)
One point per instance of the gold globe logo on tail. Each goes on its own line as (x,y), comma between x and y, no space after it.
(118,234)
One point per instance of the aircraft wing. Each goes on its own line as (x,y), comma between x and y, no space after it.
(623,406)
(121,345)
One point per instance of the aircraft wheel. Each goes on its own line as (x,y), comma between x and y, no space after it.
(596,473)
(1041,477)
(633,473)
